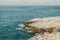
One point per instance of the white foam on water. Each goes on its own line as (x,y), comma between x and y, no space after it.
(21,25)
(19,29)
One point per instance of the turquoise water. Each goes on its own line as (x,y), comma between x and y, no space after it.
(11,16)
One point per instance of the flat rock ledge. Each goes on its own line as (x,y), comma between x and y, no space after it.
(45,28)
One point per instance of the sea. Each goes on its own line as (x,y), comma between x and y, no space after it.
(12,16)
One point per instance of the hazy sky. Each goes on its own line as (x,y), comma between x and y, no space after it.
(29,2)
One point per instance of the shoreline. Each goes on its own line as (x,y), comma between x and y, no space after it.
(44,28)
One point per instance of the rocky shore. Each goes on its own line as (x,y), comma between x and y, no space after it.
(44,28)
(47,36)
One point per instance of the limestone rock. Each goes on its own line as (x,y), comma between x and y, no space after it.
(45,28)
(49,24)
(47,36)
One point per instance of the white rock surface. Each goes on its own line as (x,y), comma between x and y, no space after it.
(47,25)
(46,22)
(47,36)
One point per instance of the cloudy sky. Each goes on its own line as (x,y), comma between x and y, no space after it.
(29,2)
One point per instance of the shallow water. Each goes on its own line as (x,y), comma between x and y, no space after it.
(11,16)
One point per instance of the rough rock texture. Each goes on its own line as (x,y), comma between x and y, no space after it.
(45,28)
(46,36)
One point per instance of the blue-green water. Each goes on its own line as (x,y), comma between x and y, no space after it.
(10,17)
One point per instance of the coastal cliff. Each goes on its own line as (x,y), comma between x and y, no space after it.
(44,28)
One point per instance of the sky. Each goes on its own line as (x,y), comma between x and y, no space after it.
(29,2)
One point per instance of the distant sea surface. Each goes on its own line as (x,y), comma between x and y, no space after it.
(11,16)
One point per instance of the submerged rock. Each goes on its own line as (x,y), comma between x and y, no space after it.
(41,26)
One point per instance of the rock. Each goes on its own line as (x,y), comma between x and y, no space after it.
(49,24)
(46,36)
(45,28)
